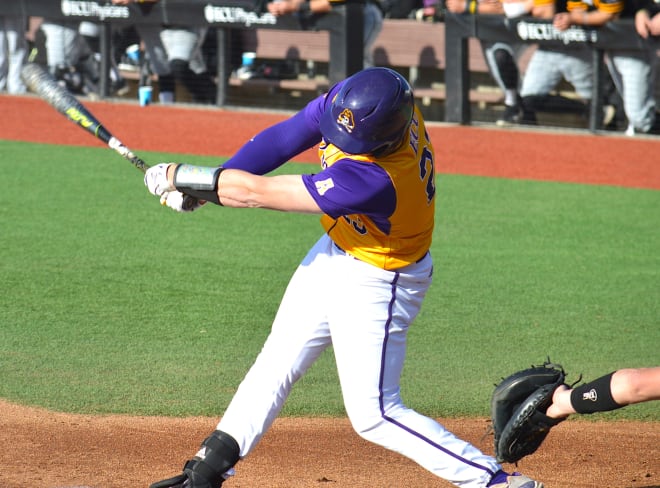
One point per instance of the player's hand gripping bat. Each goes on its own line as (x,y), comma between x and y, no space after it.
(43,84)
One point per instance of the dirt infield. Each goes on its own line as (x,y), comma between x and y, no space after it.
(43,449)
(46,450)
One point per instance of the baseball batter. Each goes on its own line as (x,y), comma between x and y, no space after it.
(360,286)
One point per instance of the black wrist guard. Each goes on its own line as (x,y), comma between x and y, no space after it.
(200,182)
(595,396)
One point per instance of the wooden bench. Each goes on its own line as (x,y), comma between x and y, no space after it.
(278,45)
(416,49)
(417,46)
(403,44)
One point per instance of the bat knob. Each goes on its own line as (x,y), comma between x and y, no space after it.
(189,203)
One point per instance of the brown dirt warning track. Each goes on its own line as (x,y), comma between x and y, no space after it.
(44,449)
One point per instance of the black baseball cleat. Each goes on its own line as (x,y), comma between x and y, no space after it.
(218,454)
(655,128)
(183,481)
(511,116)
(179,481)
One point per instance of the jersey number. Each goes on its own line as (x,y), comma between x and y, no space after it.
(427,173)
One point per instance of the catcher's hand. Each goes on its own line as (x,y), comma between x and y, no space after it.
(518,408)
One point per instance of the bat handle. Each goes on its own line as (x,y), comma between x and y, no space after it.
(189,202)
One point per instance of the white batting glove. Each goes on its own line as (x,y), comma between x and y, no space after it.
(156,180)
(179,202)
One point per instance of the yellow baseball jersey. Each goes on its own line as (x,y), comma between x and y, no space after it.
(379,210)
(608,6)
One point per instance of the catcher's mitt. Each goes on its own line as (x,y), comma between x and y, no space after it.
(518,409)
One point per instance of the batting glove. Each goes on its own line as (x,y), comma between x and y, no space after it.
(180,202)
(155,179)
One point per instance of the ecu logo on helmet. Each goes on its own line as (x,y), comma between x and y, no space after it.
(346,120)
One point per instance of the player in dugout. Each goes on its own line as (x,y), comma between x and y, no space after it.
(360,286)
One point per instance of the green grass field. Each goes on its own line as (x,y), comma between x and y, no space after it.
(111,303)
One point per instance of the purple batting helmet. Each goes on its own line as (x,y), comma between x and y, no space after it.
(370,114)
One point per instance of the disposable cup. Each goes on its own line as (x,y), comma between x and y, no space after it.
(248,58)
(144,95)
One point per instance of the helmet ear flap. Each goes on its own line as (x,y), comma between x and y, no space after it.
(370,113)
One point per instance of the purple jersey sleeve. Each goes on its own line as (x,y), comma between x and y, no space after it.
(353,187)
(276,145)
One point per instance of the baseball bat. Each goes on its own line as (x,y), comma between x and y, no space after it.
(43,84)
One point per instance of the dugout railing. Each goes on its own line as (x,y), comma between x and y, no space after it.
(619,34)
(345,27)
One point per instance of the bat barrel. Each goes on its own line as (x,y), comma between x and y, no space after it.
(43,84)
